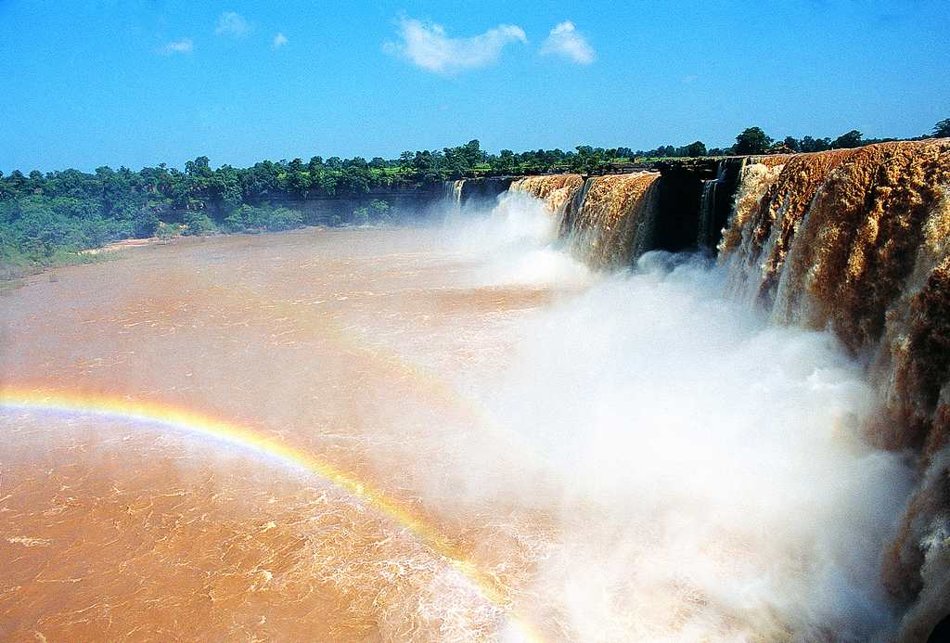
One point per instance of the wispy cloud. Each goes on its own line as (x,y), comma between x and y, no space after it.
(183,46)
(426,45)
(279,41)
(565,41)
(232,24)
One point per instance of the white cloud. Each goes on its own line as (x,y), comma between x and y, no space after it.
(427,46)
(565,41)
(232,24)
(279,41)
(183,46)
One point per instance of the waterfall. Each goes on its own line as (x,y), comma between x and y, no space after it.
(556,190)
(707,235)
(614,220)
(477,194)
(858,241)
(453,192)
(607,220)
(855,241)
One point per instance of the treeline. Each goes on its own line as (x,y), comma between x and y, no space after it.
(754,140)
(45,216)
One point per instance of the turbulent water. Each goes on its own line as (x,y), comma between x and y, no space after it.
(858,241)
(637,455)
(608,220)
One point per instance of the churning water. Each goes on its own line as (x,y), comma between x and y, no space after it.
(448,433)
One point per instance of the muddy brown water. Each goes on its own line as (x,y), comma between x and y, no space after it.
(346,344)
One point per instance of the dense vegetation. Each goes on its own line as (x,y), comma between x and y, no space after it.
(47,218)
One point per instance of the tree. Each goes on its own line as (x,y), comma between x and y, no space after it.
(625,153)
(810,144)
(752,140)
(505,163)
(792,143)
(697,148)
(942,129)
(380,210)
(851,139)
(199,167)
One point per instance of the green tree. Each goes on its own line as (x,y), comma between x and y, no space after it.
(942,129)
(752,140)
(505,162)
(697,148)
(197,224)
(144,223)
(361,216)
(810,144)
(851,139)
(380,210)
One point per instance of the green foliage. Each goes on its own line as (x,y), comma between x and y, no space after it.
(283,219)
(851,139)
(377,212)
(752,140)
(697,148)
(145,223)
(167,231)
(942,129)
(198,224)
(809,144)
(361,216)
(380,209)
(248,218)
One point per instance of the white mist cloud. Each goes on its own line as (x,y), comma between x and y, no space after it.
(232,24)
(515,244)
(565,41)
(183,46)
(701,471)
(426,45)
(279,41)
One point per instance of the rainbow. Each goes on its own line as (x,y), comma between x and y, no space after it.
(244,438)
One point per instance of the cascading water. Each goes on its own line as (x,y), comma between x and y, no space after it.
(608,220)
(555,190)
(858,241)
(707,234)
(614,224)
(699,472)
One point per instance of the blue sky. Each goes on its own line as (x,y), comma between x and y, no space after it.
(139,82)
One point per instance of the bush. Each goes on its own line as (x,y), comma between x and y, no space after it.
(198,223)
(144,224)
(248,218)
(283,219)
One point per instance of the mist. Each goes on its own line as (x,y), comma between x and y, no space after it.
(704,470)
